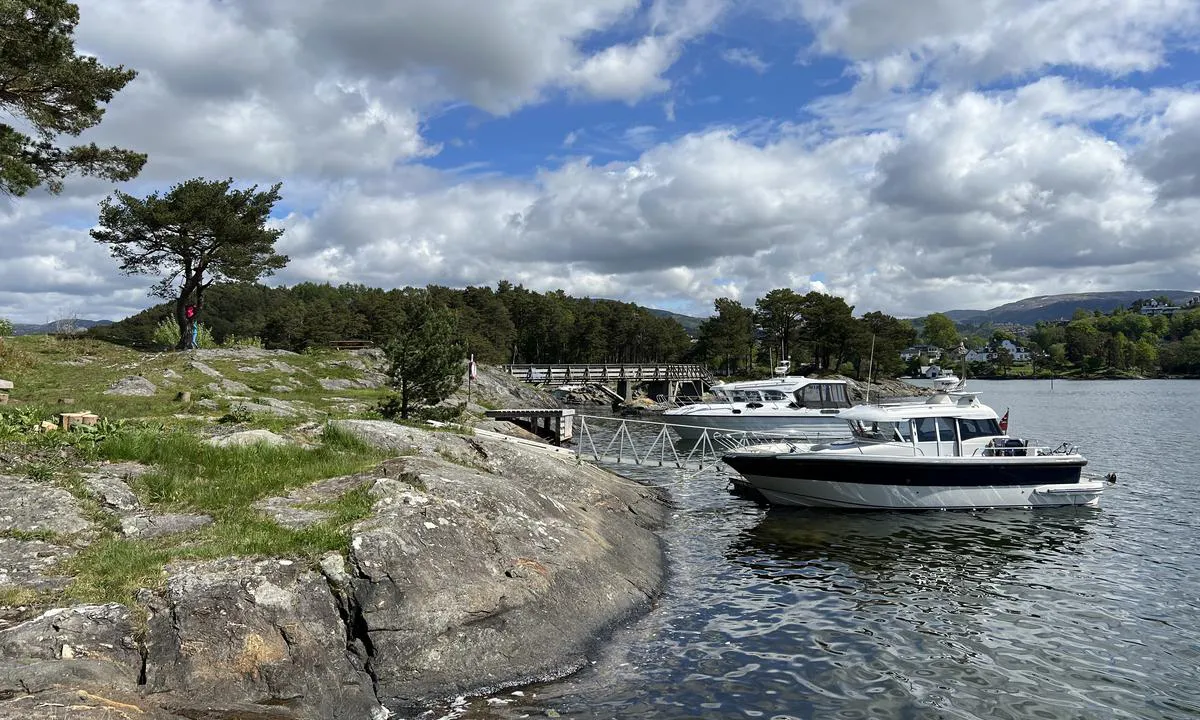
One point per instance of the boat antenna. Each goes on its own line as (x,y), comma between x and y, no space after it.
(870,368)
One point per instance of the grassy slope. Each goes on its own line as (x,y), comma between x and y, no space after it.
(189,475)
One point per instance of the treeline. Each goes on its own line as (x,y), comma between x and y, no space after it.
(817,332)
(512,324)
(1124,340)
(509,324)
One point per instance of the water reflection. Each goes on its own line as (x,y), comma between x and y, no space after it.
(882,542)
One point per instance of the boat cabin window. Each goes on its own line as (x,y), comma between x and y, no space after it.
(822,396)
(929,429)
(773,395)
(926,431)
(978,428)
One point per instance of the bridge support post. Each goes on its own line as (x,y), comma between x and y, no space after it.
(625,389)
(661,388)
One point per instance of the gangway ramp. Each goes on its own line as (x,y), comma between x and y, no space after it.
(615,441)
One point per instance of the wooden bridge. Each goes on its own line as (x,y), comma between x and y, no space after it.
(666,377)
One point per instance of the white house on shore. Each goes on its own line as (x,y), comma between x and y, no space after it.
(931,352)
(1154,307)
(989,352)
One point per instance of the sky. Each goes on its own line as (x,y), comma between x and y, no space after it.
(911,157)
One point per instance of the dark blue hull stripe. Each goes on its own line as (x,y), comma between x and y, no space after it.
(910,474)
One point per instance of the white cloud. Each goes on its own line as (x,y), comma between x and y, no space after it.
(628,72)
(896,44)
(747,58)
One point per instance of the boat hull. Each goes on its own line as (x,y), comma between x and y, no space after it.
(815,427)
(917,483)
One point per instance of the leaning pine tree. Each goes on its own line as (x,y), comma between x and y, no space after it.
(198,233)
(425,356)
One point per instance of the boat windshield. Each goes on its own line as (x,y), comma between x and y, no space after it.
(823,396)
(885,431)
(968,429)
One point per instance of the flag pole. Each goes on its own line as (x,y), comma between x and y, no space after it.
(470,377)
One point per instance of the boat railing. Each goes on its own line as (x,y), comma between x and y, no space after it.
(1024,449)
(682,400)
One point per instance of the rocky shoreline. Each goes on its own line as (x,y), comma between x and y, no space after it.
(482,564)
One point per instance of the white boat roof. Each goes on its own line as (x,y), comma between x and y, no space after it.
(961,404)
(790,382)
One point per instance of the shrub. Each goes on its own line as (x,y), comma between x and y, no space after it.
(166,333)
(234,341)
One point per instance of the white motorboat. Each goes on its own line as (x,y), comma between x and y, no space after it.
(789,406)
(948,381)
(947,452)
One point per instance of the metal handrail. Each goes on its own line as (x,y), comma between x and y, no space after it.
(706,450)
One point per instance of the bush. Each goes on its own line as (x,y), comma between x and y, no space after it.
(234,341)
(442,413)
(166,333)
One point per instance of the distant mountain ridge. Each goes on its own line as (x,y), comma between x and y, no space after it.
(690,324)
(56,326)
(1061,307)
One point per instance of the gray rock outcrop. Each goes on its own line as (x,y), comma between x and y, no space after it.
(245,635)
(247,437)
(133,385)
(30,564)
(57,655)
(485,566)
(29,506)
(206,369)
(145,525)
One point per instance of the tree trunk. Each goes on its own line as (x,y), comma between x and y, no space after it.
(181,319)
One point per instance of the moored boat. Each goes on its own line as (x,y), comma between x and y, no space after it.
(790,406)
(948,452)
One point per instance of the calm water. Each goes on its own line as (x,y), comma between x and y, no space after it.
(1072,613)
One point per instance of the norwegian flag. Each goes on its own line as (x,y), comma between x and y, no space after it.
(1004,422)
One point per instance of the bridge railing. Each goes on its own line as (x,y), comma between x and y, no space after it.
(562,374)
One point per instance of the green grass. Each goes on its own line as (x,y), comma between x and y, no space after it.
(12,596)
(191,476)
(43,535)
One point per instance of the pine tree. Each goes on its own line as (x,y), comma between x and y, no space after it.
(426,356)
(56,92)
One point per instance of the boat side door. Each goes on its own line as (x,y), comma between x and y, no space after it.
(935,436)
(947,438)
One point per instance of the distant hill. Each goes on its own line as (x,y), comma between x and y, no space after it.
(1061,307)
(56,326)
(690,324)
